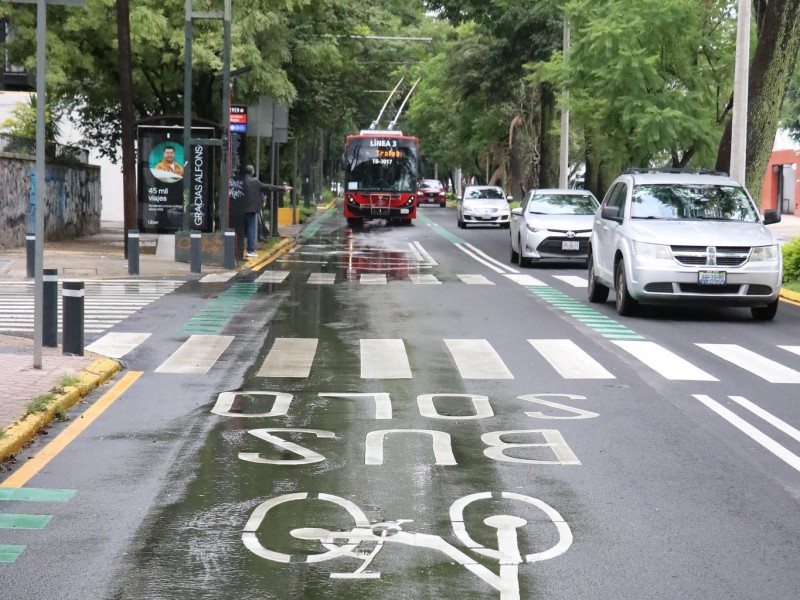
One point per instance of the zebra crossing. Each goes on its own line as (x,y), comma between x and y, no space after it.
(106,302)
(471,359)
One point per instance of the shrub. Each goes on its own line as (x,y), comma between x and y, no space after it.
(791,260)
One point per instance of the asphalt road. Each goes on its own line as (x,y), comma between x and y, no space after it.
(399,412)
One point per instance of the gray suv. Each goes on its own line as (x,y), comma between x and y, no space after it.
(667,237)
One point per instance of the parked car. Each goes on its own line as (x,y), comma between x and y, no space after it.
(431,191)
(552,224)
(677,237)
(483,205)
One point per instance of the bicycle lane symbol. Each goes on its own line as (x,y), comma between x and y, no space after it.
(345,543)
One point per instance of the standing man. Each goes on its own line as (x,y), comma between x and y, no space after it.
(253,202)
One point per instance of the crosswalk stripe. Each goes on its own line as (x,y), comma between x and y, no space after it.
(196,355)
(474,279)
(272,277)
(523,279)
(756,364)
(384,359)
(322,278)
(373,278)
(423,278)
(18,494)
(117,345)
(9,553)
(792,349)
(289,357)
(476,359)
(573,280)
(17,521)
(218,277)
(664,362)
(570,360)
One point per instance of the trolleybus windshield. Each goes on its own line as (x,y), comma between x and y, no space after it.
(381,164)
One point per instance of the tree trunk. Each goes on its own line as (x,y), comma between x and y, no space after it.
(549,163)
(770,73)
(127,119)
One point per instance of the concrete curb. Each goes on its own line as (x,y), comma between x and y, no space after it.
(790,295)
(23,431)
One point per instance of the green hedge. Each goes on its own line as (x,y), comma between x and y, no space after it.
(791,260)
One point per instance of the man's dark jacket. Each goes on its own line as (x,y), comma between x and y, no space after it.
(252,193)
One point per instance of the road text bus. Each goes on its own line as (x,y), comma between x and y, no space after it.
(380,176)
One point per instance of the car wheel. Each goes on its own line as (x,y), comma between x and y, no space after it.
(514,255)
(442,204)
(765,313)
(506,225)
(626,305)
(597,291)
(461,224)
(355,222)
(523,260)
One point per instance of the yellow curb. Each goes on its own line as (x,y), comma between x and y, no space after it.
(23,431)
(277,250)
(791,296)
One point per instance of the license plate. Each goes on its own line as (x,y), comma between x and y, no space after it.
(570,245)
(711,277)
(404,211)
(486,217)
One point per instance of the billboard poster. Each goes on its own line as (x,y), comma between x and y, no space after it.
(162,164)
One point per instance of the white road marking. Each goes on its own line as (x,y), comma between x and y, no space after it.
(571,361)
(272,276)
(322,278)
(476,359)
(423,278)
(768,417)
(792,349)
(573,280)
(525,279)
(474,279)
(196,355)
(289,357)
(427,257)
(664,362)
(479,259)
(217,277)
(384,359)
(761,366)
(755,434)
(373,278)
(117,345)
(485,256)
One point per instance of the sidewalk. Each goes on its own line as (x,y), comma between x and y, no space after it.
(99,256)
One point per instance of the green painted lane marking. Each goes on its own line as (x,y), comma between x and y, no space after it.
(314,226)
(222,309)
(440,230)
(13,521)
(10,553)
(36,495)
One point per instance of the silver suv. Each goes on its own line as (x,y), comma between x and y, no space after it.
(670,237)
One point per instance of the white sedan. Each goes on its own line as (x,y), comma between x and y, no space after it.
(552,224)
(483,205)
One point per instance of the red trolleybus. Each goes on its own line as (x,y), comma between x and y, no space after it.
(380,177)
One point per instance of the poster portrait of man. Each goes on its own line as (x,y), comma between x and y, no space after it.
(166,162)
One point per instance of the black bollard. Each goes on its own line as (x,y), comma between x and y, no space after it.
(50,308)
(133,252)
(72,318)
(230,248)
(195,251)
(30,249)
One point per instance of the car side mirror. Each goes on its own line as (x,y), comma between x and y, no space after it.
(509,198)
(772,216)
(610,213)
(516,211)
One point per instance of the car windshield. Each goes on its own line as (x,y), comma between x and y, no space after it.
(429,184)
(692,202)
(562,204)
(484,193)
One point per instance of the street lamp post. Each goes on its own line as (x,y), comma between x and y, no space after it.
(563,159)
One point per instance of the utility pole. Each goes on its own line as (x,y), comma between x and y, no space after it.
(127,118)
(563,159)
(740,94)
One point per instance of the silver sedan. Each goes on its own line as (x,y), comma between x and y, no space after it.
(552,224)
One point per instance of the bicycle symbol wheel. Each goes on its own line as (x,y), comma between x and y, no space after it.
(333,550)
